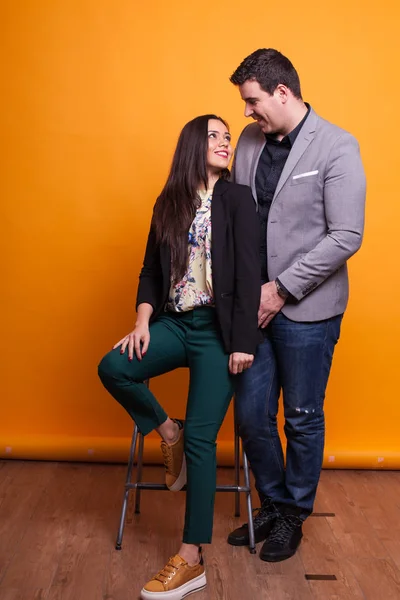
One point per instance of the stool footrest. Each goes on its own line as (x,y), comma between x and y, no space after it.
(143,485)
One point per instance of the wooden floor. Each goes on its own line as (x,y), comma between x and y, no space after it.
(58,523)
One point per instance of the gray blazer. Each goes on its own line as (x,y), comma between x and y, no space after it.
(316,219)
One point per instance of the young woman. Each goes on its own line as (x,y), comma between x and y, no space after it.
(197,306)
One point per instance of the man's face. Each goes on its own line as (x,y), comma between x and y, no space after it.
(263,108)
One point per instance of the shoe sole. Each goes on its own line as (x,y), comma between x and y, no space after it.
(245,542)
(181,480)
(274,559)
(238,542)
(194,585)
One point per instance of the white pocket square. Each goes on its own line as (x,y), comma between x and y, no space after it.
(308,174)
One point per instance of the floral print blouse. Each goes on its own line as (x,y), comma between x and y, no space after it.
(195,289)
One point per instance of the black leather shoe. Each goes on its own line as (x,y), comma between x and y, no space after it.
(263,523)
(284,539)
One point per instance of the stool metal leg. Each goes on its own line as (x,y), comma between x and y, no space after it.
(237,465)
(139,467)
(252,544)
(126,492)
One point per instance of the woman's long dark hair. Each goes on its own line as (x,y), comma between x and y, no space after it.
(176,206)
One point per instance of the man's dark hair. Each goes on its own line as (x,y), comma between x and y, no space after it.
(270,68)
(176,206)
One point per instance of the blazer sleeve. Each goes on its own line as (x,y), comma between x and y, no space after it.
(150,278)
(245,335)
(344,202)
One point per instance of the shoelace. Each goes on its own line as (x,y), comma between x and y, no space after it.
(167,456)
(259,518)
(285,525)
(167,572)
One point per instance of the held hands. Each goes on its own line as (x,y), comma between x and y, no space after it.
(239,361)
(137,341)
(270,303)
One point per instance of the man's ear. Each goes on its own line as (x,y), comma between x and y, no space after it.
(282,93)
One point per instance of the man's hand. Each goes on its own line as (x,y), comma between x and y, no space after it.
(270,303)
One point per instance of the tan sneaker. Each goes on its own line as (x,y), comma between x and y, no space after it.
(175,462)
(176,581)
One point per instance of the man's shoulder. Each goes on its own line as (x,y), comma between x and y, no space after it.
(251,132)
(329,130)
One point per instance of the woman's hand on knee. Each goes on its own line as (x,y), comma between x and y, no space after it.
(137,341)
(239,361)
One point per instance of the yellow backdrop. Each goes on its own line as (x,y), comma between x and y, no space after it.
(93,96)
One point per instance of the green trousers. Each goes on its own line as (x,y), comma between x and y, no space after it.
(190,340)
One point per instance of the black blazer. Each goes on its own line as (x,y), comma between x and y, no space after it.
(236,270)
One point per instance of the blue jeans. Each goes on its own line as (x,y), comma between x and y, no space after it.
(295,357)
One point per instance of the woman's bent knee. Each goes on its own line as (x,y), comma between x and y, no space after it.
(114,368)
(108,367)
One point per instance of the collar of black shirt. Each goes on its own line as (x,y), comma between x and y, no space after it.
(289,139)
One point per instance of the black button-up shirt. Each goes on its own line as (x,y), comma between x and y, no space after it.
(269,170)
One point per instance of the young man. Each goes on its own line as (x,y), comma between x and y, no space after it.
(309,185)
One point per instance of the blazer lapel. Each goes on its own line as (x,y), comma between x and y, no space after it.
(304,138)
(219,222)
